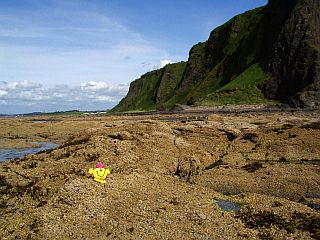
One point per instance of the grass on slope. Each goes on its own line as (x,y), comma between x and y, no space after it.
(152,89)
(244,89)
(171,77)
(252,76)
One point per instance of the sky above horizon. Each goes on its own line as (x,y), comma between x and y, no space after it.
(58,55)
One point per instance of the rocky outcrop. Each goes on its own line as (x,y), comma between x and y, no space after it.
(295,64)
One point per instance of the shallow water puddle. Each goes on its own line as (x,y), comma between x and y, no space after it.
(12,153)
(227,205)
(39,121)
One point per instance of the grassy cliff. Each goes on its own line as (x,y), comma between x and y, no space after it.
(264,55)
(153,90)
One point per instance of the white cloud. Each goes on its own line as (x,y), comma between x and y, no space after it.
(104,98)
(91,95)
(164,62)
(24,85)
(68,43)
(3,93)
(94,86)
(89,49)
(19,85)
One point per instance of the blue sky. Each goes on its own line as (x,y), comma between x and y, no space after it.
(60,55)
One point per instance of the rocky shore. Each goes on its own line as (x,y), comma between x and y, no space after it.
(167,173)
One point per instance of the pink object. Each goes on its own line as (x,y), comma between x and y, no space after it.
(99,165)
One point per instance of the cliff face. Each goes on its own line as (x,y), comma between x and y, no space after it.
(295,64)
(215,63)
(153,90)
(263,55)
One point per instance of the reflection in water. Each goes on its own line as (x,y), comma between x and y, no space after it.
(7,154)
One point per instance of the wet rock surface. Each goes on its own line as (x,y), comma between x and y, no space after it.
(164,175)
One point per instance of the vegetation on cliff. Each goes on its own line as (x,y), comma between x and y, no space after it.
(153,90)
(264,55)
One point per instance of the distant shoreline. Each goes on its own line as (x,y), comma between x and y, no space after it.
(178,109)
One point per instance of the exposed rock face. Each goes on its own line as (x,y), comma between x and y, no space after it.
(268,53)
(226,54)
(195,69)
(295,63)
